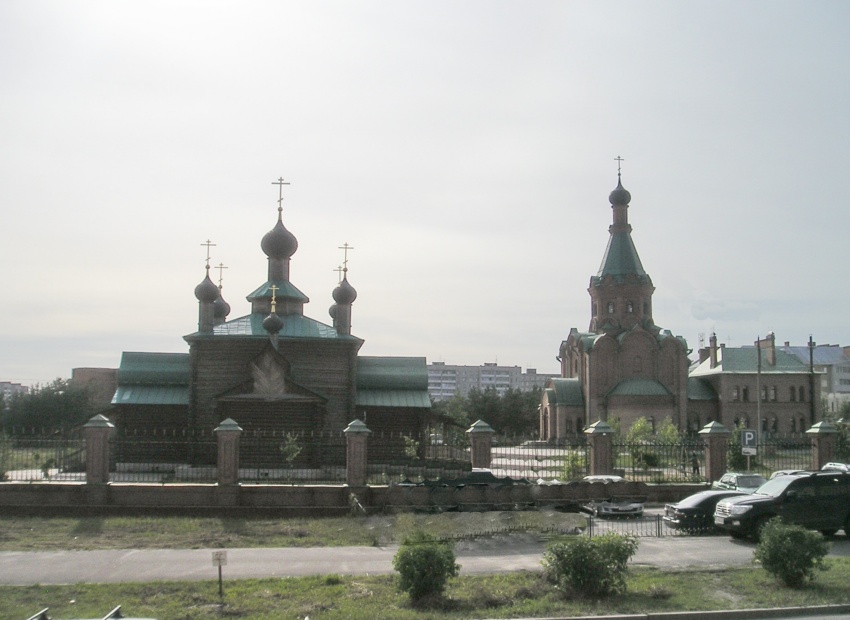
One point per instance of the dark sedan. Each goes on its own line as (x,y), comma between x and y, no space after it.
(696,512)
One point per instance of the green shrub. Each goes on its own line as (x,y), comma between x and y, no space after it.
(424,565)
(790,553)
(591,567)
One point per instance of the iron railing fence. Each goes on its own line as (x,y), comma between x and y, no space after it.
(35,457)
(647,526)
(163,455)
(395,457)
(654,461)
(540,460)
(774,452)
(279,457)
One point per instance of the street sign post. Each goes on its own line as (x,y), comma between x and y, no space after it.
(219,558)
(749,445)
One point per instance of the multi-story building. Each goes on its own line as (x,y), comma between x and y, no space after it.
(8,389)
(832,365)
(447,380)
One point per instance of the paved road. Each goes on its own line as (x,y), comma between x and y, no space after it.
(495,555)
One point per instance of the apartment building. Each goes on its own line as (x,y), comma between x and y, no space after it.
(446,380)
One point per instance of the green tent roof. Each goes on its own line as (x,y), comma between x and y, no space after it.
(392,382)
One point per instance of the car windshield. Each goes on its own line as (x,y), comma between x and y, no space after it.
(750,481)
(775,487)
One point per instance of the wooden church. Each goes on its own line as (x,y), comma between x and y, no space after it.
(273,370)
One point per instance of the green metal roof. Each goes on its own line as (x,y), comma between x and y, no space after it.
(620,259)
(294,326)
(700,390)
(639,387)
(393,398)
(151,395)
(284,289)
(154,369)
(744,360)
(392,373)
(567,391)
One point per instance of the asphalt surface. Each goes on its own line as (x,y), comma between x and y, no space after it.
(489,555)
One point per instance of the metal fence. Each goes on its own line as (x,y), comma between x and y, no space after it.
(650,461)
(398,457)
(647,526)
(774,452)
(34,455)
(540,460)
(277,457)
(163,456)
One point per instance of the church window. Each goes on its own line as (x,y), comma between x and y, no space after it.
(630,307)
(764,393)
(735,394)
(652,424)
(764,425)
(745,394)
(568,426)
(793,425)
(773,392)
(793,394)
(610,307)
(802,393)
(802,423)
(774,426)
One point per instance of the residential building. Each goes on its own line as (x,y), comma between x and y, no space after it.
(447,380)
(9,389)
(832,365)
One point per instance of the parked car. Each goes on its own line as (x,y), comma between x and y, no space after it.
(734,481)
(615,505)
(786,472)
(836,467)
(816,500)
(695,513)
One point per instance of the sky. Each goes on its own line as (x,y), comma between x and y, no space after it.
(464,150)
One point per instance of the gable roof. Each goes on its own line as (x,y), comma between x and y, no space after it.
(153,379)
(744,360)
(392,382)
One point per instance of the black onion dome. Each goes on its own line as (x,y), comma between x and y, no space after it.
(333,310)
(220,307)
(344,293)
(620,196)
(206,290)
(272,323)
(279,242)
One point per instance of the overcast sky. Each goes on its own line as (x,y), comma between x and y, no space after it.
(464,149)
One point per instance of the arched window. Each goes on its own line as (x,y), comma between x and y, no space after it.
(774,426)
(745,394)
(764,393)
(802,393)
(652,423)
(773,393)
(735,393)
(793,425)
(793,393)
(568,426)
(802,424)
(764,425)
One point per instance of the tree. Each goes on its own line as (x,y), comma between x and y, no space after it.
(57,405)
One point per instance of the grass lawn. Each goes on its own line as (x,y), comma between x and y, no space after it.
(519,594)
(522,594)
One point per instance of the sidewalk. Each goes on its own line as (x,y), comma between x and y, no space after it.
(494,555)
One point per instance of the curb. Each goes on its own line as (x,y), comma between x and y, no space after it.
(731,614)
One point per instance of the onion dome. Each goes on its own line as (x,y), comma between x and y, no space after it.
(272,323)
(620,196)
(333,311)
(220,307)
(207,290)
(344,293)
(279,242)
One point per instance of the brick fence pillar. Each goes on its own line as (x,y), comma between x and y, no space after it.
(227,434)
(97,431)
(356,462)
(600,442)
(481,444)
(716,438)
(823,436)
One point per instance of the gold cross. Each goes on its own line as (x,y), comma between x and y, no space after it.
(345,247)
(273,288)
(619,161)
(280,183)
(209,245)
(221,269)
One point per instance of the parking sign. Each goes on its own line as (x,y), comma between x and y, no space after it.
(748,442)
